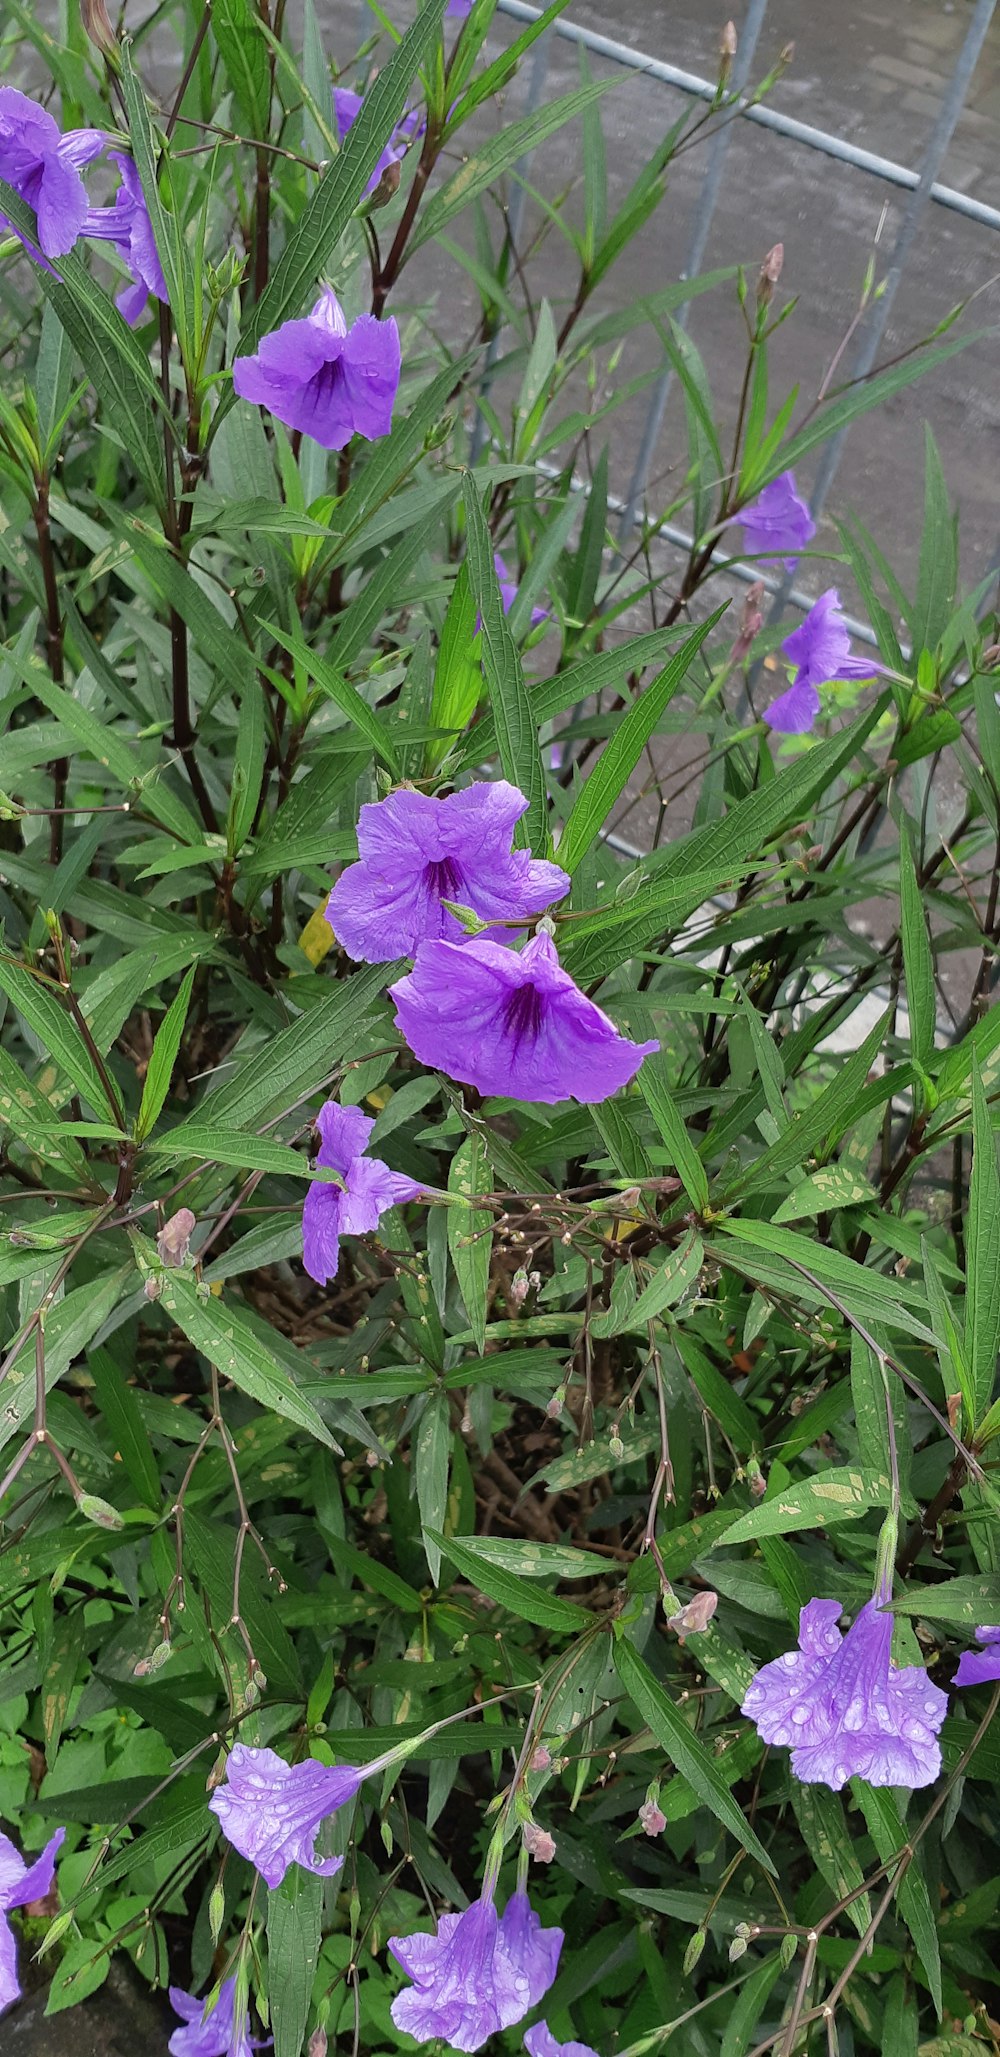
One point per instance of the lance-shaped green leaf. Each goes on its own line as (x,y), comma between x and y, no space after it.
(517,733)
(983,1242)
(618,759)
(521,1596)
(839,1494)
(470,1237)
(684,1750)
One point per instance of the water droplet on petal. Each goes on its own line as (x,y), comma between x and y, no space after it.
(799,1715)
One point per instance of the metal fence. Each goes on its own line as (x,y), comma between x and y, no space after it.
(922,185)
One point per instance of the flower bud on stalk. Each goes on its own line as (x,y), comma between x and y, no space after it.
(768,276)
(751,621)
(728,44)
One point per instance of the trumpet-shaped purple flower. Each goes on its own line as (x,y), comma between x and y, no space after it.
(346,108)
(323,378)
(512,1023)
(416,852)
(777,522)
(43,166)
(821,648)
(270,1811)
(20,1884)
(844,1709)
(351,1210)
(128,226)
(540,2042)
(509,590)
(211,2035)
(981,1667)
(477,1975)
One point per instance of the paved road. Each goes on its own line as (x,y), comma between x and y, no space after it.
(874,74)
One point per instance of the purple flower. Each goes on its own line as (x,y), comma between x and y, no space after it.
(540,2042)
(214,2035)
(354,1208)
(981,1667)
(43,166)
(508,594)
(777,521)
(328,380)
(821,649)
(20,1884)
(346,108)
(270,1811)
(458,10)
(128,226)
(416,852)
(477,1975)
(844,1708)
(512,1023)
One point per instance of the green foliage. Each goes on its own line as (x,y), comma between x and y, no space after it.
(726,1342)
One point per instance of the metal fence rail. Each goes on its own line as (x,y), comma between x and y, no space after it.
(922,185)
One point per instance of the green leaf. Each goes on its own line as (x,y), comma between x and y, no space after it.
(35,999)
(162,1059)
(69,1326)
(821,1123)
(168,231)
(532,1560)
(236,28)
(116,364)
(508,695)
(918,957)
(983,1244)
(299,1058)
(877,1399)
(294,1912)
(669,1283)
(248,767)
(684,1750)
(964,1601)
(250,1153)
(524,1600)
(484,167)
(313,240)
(430,1467)
(839,1494)
(222,1333)
(888,1833)
(937,577)
(458,676)
(339,689)
(127,1429)
(618,759)
(747,2007)
(655,1088)
(28,1114)
(837,1185)
(470,1233)
(825,1833)
(860,399)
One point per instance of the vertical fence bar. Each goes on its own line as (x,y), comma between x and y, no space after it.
(701,226)
(874,327)
(515,216)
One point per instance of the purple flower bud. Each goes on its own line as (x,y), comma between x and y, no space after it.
(653,1820)
(415,852)
(20,1885)
(355,1208)
(695,1616)
(327,380)
(980,1667)
(270,1811)
(844,1709)
(769,274)
(777,522)
(541,1758)
(512,1023)
(538,1843)
(174,1239)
